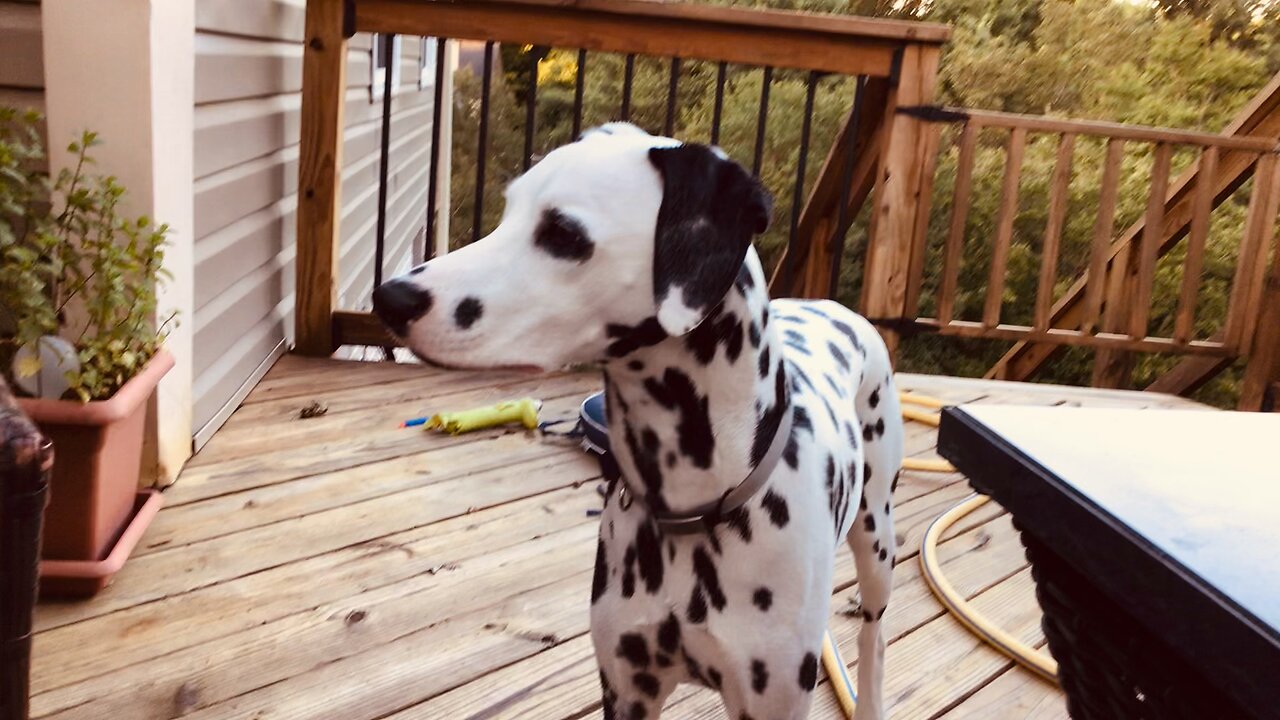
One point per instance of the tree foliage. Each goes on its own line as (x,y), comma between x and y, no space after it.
(1176,63)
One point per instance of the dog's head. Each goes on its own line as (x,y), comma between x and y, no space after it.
(617,239)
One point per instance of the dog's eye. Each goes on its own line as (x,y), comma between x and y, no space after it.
(563,237)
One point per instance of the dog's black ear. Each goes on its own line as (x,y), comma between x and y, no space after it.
(711,208)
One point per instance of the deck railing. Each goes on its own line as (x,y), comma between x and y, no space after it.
(1111,304)
(881,165)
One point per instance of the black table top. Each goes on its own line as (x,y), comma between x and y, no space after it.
(1175,514)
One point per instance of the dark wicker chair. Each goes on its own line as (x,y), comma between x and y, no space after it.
(25,460)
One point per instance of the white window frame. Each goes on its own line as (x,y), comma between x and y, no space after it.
(377,73)
(426,62)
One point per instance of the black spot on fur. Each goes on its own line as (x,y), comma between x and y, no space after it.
(762,598)
(649,555)
(870,523)
(879,427)
(868,433)
(636,365)
(662,660)
(468,312)
(809,672)
(813,310)
(802,421)
(600,581)
(802,376)
(714,676)
(644,453)
(720,328)
(669,634)
(779,514)
(634,649)
(646,684)
(676,391)
(417,270)
(563,237)
(798,347)
(764,363)
(638,711)
(874,399)
(791,454)
(697,611)
(626,339)
(740,520)
(629,572)
(767,425)
(839,355)
(759,676)
(848,332)
(708,577)
(753,333)
(884,554)
(835,386)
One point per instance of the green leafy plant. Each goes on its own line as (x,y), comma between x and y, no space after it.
(71,265)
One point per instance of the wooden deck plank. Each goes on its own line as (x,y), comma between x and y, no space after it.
(1015,695)
(241,607)
(182,569)
(341,567)
(378,439)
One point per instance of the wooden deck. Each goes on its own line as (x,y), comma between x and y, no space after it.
(340,567)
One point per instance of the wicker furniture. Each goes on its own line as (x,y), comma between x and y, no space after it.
(25,460)
(1152,539)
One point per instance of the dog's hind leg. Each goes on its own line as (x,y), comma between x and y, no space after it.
(871,537)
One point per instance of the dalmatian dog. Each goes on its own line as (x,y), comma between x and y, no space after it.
(751,436)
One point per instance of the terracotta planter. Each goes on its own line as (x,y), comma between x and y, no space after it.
(96,513)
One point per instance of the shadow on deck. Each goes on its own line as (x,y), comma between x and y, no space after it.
(341,567)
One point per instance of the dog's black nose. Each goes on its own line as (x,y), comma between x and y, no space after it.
(399,302)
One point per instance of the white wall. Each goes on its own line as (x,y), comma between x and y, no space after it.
(125,69)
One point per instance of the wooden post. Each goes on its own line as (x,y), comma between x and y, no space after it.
(320,176)
(1262,370)
(898,191)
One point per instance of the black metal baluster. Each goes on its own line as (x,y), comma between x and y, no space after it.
(627,80)
(803,160)
(718,112)
(578,91)
(531,104)
(477,213)
(437,114)
(846,185)
(380,237)
(762,120)
(673,87)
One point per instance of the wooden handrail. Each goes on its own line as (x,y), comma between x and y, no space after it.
(849,25)
(848,45)
(1096,128)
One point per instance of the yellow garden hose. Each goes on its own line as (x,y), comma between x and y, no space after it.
(955,603)
(1028,657)
(841,683)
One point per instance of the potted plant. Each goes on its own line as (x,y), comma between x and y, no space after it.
(78,336)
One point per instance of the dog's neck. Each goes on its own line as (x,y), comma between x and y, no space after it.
(690,417)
